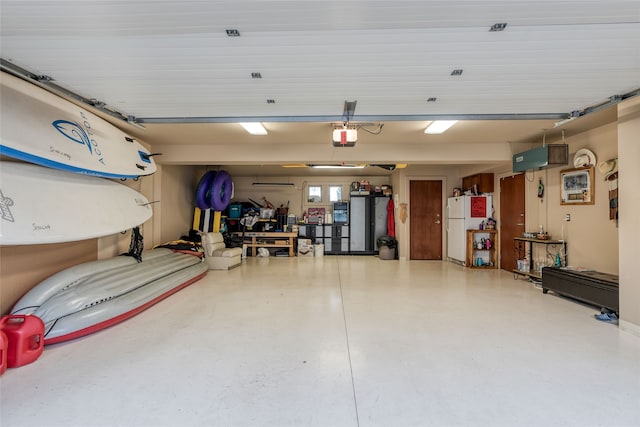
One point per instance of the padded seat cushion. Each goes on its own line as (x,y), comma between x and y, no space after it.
(227,252)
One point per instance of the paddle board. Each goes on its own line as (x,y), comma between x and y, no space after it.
(76,302)
(42,128)
(43,205)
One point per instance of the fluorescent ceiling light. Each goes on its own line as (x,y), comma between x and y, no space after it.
(337,166)
(439,126)
(254,128)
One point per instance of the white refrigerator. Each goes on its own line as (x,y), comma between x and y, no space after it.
(464,213)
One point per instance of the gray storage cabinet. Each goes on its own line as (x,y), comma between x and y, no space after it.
(367,222)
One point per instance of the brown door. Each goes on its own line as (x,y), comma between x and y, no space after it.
(512,220)
(425,216)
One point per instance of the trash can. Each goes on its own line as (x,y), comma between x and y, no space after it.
(387,247)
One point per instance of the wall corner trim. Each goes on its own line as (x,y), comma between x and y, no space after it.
(629,327)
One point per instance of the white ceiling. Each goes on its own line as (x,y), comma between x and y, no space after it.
(165,61)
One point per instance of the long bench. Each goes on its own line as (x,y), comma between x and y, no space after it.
(592,287)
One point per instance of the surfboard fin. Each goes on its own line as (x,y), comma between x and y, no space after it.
(147,156)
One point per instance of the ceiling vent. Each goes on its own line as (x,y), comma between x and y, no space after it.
(541,158)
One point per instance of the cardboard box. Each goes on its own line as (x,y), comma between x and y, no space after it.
(305,247)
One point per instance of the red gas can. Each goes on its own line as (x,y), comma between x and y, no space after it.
(4,345)
(26,338)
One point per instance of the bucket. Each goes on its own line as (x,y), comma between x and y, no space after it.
(386,253)
(4,346)
(25,335)
(318,250)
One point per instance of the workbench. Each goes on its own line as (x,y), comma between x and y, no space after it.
(268,239)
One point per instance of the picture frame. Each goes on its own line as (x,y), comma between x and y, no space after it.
(577,186)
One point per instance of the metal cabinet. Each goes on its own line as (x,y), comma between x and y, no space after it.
(368,222)
(336,239)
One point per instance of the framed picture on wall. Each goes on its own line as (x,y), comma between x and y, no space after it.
(576,186)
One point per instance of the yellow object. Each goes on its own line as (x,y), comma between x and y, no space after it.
(216,221)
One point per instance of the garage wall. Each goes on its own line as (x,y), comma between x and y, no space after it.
(450,177)
(629,157)
(295,196)
(591,237)
(176,201)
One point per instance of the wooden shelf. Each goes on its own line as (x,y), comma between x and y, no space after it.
(489,256)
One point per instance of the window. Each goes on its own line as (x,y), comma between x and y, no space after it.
(315,194)
(335,193)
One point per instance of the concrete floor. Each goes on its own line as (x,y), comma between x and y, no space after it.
(340,341)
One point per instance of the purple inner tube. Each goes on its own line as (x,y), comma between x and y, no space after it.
(221,191)
(203,190)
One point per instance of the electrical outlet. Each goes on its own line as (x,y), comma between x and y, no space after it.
(567,217)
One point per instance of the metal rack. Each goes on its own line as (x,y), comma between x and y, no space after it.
(529,242)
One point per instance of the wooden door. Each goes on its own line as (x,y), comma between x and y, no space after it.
(425,216)
(512,218)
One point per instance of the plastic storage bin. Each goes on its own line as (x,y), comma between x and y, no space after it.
(235,210)
(25,336)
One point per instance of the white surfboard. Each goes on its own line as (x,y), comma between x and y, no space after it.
(44,205)
(42,128)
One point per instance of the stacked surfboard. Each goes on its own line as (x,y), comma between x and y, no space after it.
(63,184)
(60,194)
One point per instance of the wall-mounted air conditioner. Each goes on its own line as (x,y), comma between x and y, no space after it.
(541,158)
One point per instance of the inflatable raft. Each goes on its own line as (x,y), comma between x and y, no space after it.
(92,296)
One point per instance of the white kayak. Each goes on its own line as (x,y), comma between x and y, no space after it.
(89,297)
